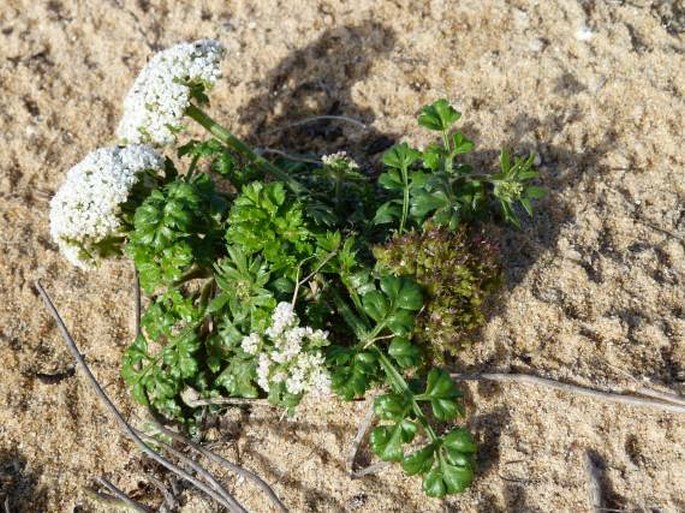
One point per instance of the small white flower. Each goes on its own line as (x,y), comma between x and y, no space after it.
(154,107)
(283,317)
(85,210)
(263,368)
(339,158)
(290,355)
(320,382)
(251,343)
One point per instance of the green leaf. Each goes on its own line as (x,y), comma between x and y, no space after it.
(433,156)
(433,484)
(504,160)
(388,212)
(179,355)
(134,357)
(534,192)
(438,116)
(419,462)
(424,202)
(456,478)
(404,352)
(238,378)
(461,143)
(400,322)
(352,372)
(375,305)
(401,156)
(386,441)
(391,180)
(461,441)
(527,206)
(443,395)
(391,406)
(403,293)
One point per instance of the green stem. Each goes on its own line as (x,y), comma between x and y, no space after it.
(193,273)
(450,156)
(338,193)
(236,144)
(405,199)
(400,385)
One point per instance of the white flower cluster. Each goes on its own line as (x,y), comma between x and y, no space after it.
(290,354)
(155,105)
(339,158)
(85,210)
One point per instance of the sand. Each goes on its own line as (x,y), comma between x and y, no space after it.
(595,289)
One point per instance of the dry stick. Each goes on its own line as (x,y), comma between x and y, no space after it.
(361,431)
(318,118)
(289,156)
(135,505)
(213,482)
(226,401)
(105,498)
(117,415)
(241,471)
(668,397)
(573,389)
(169,498)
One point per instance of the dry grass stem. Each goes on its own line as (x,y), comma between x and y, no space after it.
(125,499)
(209,478)
(575,389)
(130,432)
(241,471)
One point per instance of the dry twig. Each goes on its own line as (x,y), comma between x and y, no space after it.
(130,503)
(241,471)
(233,506)
(354,449)
(170,499)
(313,119)
(213,482)
(574,389)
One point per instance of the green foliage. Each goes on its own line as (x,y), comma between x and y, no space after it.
(444,193)
(394,272)
(447,464)
(175,228)
(458,270)
(158,378)
(439,116)
(261,220)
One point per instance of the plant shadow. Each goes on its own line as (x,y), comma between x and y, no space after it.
(19,489)
(316,81)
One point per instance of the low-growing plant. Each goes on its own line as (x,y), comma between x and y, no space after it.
(284,279)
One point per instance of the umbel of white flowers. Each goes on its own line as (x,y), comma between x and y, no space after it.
(155,105)
(86,209)
(288,353)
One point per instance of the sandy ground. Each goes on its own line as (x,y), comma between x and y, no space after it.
(595,290)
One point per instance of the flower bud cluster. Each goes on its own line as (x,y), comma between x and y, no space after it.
(289,354)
